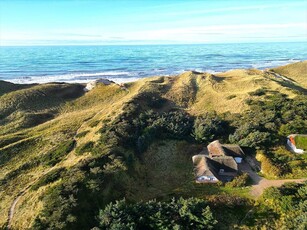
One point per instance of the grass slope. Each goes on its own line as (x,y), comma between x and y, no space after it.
(296,72)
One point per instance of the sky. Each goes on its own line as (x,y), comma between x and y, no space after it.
(124,22)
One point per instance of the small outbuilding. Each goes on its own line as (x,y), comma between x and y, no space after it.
(291,142)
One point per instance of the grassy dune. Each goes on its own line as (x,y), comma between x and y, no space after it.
(36,120)
(296,72)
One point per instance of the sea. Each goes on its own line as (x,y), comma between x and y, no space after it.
(41,64)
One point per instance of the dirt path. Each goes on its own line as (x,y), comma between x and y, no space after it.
(23,192)
(260,183)
(281,77)
(257,189)
(12,208)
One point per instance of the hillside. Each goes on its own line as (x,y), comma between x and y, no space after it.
(65,154)
(296,72)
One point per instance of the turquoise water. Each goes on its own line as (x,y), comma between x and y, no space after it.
(127,63)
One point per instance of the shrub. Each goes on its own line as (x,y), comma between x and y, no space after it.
(87,147)
(94,123)
(258,92)
(82,134)
(189,213)
(239,181)
(208,127)
(56,155)
(267,165)
(231,97)
(50,177)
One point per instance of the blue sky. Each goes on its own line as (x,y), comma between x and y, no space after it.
(76,22)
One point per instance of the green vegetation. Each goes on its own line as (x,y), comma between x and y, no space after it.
(94,123)
(6,87)
(267,122)
(50,177)
(269,167)
(85,148)
(281,208)
(178,214)
(231,97)
(54,156)
(301,142)
(239,181)
(279,162)
(82,134)
(258,92)
(209,127)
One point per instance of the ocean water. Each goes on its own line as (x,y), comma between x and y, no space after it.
(127,63)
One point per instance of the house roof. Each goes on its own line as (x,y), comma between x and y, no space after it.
(227,163)
(233,150)
(202,167)
(216,148)
(206,166)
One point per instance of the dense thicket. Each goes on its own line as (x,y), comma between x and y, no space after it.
(270,121)
(189,213)
(289,204)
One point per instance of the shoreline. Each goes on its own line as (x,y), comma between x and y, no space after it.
(121,80)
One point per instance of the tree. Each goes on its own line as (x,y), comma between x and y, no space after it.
(189,213)
(208,127)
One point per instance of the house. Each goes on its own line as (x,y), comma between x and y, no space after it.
(212,170)
(219,164)
(292,144)
(216,149)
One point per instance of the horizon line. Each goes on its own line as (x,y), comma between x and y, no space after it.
(149,44)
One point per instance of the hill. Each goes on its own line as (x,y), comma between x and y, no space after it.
(65,154)
(296,72)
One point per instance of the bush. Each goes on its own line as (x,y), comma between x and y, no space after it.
(267,165)
(82,134)
(56,155)
(189,213)
(208,127)
(94,123)
(258,92)
(239,181)
(231,97)
(85,148)
(48,178)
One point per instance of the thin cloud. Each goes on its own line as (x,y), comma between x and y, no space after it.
(234,9)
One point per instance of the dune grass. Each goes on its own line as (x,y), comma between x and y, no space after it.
(296,72)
